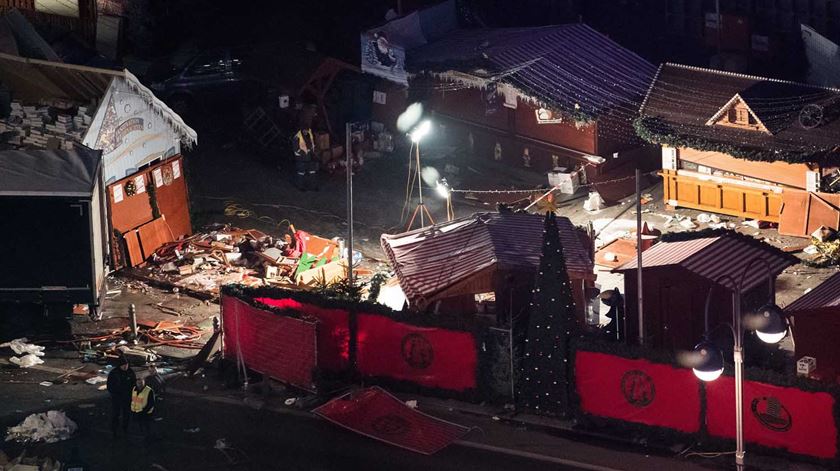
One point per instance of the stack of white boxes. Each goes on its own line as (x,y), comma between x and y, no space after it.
(31,126)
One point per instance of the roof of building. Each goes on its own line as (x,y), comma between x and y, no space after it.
(726,253)
(430,260)
(49,172)
(682,100)
(826,294)
(35,80)
(571,68)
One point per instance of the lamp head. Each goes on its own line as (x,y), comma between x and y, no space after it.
(709,361)
(770,323)
(442,188)
(420,131)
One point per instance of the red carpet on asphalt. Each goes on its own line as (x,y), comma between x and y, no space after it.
(377,414)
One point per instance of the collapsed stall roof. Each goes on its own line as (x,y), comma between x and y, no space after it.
(429,262)
(33,80)
(571,68)
(794,122)
(49,172)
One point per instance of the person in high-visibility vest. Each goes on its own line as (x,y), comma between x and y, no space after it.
(142,405)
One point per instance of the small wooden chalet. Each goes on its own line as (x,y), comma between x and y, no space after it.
(816,326)
(678,275)
(746,146)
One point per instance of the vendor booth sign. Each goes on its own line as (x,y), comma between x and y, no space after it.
(383,59)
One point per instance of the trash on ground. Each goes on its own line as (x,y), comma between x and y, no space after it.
(49,427)
(192,430)
(96,380)
(20,346)
(594,202)
(688,223)
(810,250)
(412,403)
(46,383)
(26,361)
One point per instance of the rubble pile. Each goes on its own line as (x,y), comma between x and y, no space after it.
(224,255)
(44,126)
(49,427)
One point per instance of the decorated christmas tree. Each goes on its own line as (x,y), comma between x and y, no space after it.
(550,324)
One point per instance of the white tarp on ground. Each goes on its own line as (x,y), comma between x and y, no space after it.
(30,352)
(50,427)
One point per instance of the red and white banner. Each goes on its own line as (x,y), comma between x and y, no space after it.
(428,356)
(281,347)
(637,391)
(774,416)
(333,331)
(376,414)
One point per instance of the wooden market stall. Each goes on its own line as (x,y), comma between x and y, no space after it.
(746,146)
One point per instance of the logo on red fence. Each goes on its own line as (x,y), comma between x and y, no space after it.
(390,424)
(417,351)
(771,414)
(637,388)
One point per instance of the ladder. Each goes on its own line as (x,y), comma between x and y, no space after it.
(260,128)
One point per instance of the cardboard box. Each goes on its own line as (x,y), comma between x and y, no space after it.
(805,366)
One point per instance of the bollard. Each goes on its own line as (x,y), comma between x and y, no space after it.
(132,316)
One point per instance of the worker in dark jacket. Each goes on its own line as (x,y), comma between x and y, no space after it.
(120,381)
(142,405)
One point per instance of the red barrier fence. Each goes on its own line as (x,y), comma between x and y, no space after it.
(333,331)
(637,391)
(278,346)
(774,416)
(377,414)
(428,356)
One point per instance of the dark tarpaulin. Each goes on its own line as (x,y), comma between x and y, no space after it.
(49,172)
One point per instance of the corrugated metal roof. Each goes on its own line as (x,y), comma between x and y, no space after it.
(429,260)
(714,257)
(827,294)
(568,67)
(669,253)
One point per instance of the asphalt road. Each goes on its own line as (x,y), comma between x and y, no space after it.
(262,440)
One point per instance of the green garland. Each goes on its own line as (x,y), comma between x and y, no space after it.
(656,131)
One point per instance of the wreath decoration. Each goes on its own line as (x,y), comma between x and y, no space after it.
(130,188)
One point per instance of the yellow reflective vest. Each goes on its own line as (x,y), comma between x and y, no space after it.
(139,400)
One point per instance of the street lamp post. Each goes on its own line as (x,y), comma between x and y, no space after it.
(771,327)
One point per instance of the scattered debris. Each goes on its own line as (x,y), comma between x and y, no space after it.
(810,250)
(26,361)
(594,202)
(49,427)
(687,223)
(20,346)
(192,430)
(46,383)
(96,380)
(704,218)
(290,401)
(824,234)
(411,403)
